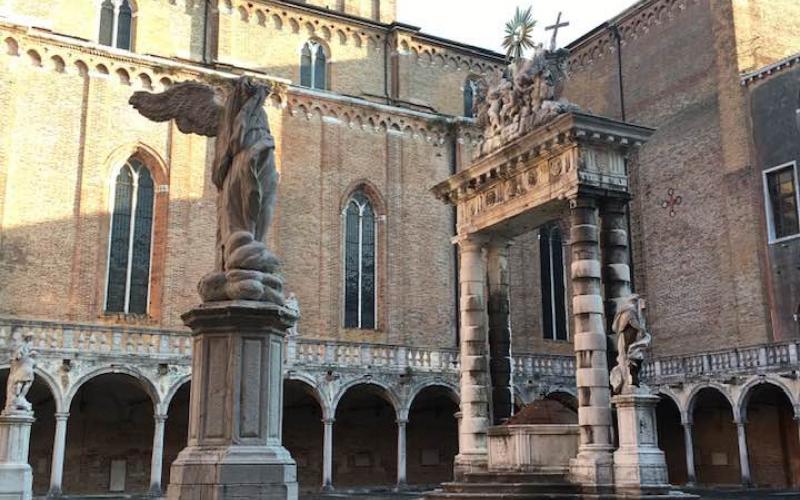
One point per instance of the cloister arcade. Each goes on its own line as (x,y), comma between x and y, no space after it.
(115,430)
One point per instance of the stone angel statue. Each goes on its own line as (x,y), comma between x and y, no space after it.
(633,342)
(244,173)
(20,377)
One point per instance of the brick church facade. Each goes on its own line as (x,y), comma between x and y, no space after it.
(107,224)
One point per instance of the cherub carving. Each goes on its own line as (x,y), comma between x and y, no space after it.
(244,173)
(633,342)
(20,376)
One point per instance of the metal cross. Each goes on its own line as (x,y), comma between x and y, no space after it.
(554,28)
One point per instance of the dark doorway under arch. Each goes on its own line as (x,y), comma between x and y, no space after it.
(772,438)
(716,445)
(176,429)
(364,439)
(302,433)
(432,436)
(671,439)
(109,437)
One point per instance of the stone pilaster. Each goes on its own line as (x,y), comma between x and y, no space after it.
(236,405)
(593,466)
(500,332)
(16,476)
(474,380)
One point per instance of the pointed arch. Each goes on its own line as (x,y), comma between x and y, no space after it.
(116,23)
(315,59)
(362,237)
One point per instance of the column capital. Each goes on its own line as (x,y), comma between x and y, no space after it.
(160,418)
(328,421)
(582,201)
(499,243)
(62,416)
(470,241)
(401,421)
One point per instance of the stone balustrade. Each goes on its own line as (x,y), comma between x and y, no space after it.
(751,360)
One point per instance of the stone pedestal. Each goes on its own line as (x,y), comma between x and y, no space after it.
(639,465)
(16,476)
(234,449)
(531,448)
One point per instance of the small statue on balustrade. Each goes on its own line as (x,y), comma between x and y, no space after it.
(633,342)
(20,377)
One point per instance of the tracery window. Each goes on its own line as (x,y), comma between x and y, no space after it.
(116,20)
(551,256)
(313,66)
(128,284)
(470,91)
(783,201)
(359,263)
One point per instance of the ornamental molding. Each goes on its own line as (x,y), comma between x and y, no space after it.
(634,23)
(65,56)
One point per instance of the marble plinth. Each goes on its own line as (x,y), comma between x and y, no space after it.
(639,465)
(16,476)
(532,447)
(236,404)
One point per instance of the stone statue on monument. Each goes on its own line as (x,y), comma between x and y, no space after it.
(633,342)
(20,377)
(244,173)
(513,102)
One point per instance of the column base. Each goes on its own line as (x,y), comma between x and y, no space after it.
(639,465)
(16,476)
(234,472)
(593,469)
(466,463)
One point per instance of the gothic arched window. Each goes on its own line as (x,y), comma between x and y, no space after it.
(116,19)
(128,285)
(551,257)
(470,91)
(359,263)
(313,66)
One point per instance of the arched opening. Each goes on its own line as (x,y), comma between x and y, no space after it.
(314,65)
(432,436)
(42,431)
(176,429)
(303,433)
(553,279)
(716,448)
(116,23)
(772,438)
(360,251)
(671,439)
(109,437)
(365,439)
(470,94)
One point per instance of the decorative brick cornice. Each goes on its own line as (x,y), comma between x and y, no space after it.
(768,71)
(62,54)
(633,23)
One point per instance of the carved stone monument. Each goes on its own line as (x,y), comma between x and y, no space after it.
(236,402)
(639,464)
(16,476)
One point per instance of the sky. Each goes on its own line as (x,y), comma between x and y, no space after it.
(481,23)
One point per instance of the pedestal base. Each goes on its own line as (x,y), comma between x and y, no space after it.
(236,406)
(465,463)
(593,469)
(639,465)
(233,472)
(16,476)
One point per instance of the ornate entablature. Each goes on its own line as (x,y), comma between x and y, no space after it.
(575,154)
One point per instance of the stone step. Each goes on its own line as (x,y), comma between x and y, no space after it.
(522,488)
(516,477)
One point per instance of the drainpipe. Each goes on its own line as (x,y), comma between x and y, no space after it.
(205,32)
(614,29)
(453,133)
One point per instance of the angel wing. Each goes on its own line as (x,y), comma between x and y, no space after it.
(192,105)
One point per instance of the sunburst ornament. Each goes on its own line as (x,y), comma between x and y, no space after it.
(519,34)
